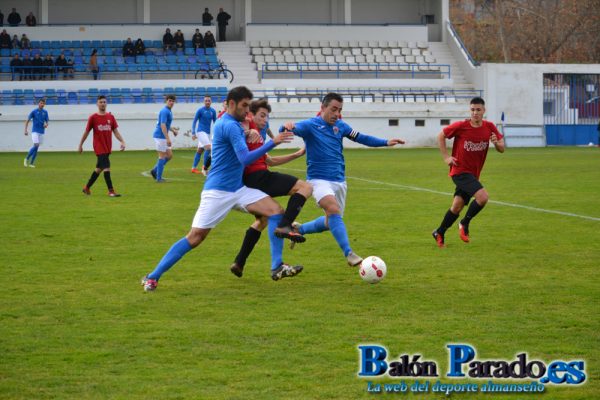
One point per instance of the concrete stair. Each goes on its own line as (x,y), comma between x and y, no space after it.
(236,55)
(442,55)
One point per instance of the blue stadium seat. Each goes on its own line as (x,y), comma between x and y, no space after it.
(15,51)
(140,59)
(126,95)
(130,60)
(132,68)
(5,52)
(107,44)
(86,44)
(200,52)
(210,51)
(45,44)
(55,52)
(82,96)
(157,44)
(110,68)
(121,67)
(62,96)
(96,44)
(38,93)
(150,59)
(109,60)
(55,44)
(72,98)
(87,51)
(66,44)
(76,43)
(68,53)
(136,94)
(188,43)
(148,44)
(8,98)
(189,51)
(35,44)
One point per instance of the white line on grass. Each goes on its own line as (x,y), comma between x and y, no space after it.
(502,203)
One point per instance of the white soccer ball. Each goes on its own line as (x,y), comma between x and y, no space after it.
(372,269)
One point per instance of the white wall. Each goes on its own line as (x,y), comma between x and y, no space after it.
(306,11)
(88,12)
(137,122)
(338,32)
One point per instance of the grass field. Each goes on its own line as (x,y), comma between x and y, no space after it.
(75,323)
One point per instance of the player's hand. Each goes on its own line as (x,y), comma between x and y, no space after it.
(289,126)
(80,149)
(450,160)
(283,137)
(26,133)
(45,125)
(122,146)
(393,142)
(494,138)
(253,136)
(175,131)
(169,144)
(194,136)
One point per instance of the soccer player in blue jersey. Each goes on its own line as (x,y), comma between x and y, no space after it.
(205,116)
(40,119)
(224,191)
(323,136)
(162,139)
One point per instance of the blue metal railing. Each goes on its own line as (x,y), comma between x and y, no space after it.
(456,36)
(367,70)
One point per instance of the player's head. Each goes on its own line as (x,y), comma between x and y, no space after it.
(170,100)
(101,103)
(331,107)
(477,107)
(41,103)
(207,101)
(260,109)
(238,102)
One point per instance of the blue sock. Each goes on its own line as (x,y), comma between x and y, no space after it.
(276,243)
(31,151)
(34,155)
(196,160)
(160,166)
(174,254)
(314,226)
(207,159)
(338,230)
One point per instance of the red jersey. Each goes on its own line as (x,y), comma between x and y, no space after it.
(220,114)
(261,163)
(470,145)
(103,126)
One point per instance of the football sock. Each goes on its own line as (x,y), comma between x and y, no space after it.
(207,159)
(314,226)
(294,207)
(338,230)
(447,222)
(160,166)
(197,157)
(276,243)
(31,151)
(250,240)
(472,211)
(34,155)
(108,181)
(174,254)
(93,178)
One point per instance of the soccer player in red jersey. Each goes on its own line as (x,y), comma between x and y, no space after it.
(469,150)
(104,125)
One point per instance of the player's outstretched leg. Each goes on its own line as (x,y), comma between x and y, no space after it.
(438,234)
(463,225)
(109,185)
(279,269)
(33,156)
(178,250)
(207,162)
(197,157)
(250,239)
(294,206)
(86,188)
(338,230)
(317,225)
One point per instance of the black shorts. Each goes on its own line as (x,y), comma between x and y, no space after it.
(272,183)
(103,161)
(466,186)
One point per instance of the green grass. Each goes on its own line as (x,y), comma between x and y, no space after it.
(74,322)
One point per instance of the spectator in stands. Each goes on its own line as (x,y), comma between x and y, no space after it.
(30,19)
(27,68)
(1,19)
(37,72)
(25,42)
(5,40)
(16,67)
(61,65)
(70,69)
(198,40)
(209,40)
(94,64)
(206,17)
(128,48)
(222,20)
(15,43)
(49,67)
(14,19)
(179,40)
(140,47)
(168,41)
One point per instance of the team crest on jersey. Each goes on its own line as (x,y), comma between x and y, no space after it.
(336,130)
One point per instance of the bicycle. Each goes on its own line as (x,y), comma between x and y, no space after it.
(221,72)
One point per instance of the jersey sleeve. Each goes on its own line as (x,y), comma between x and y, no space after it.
(302,128)
(243,154)
(362,138)
(90,123)
(163,117)
(47,116)
(214,115)
(195,121)
(30,117)
(451,130)
(115,125)
(495,130)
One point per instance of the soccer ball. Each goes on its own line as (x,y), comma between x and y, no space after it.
(372,269)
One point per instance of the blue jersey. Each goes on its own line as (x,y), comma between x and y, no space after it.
(165,116)
(204,117)
(39,117)
(324,148)
(230,155)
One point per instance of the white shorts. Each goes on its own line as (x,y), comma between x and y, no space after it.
(38,138)
(216,204)
(203,139)
(322,188)
(161,145)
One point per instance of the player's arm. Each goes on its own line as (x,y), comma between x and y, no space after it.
(165,132)
(279,160)
(270,134)
(47,122)
(300,128)
(83,139)
(497,140)
(448,159)
(119,138)
(247,157)
(195,124)
(372,141)
(26,125)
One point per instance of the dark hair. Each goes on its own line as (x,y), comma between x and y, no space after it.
(101,97)
(331,96)
(258,104)
(94,51)
(208,95)
(239,93)
(477,100)
(170,97)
